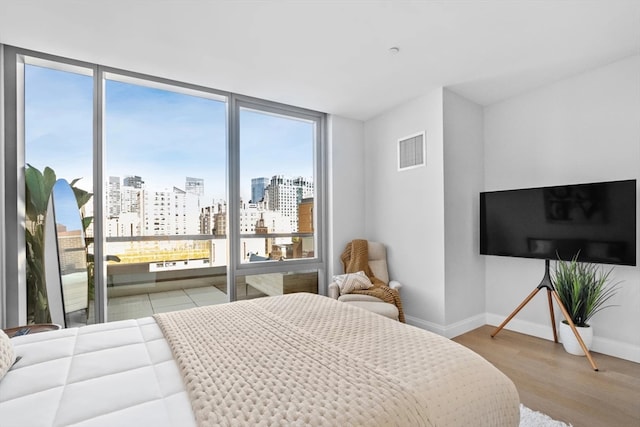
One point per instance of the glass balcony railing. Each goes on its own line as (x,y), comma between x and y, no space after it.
(167,273)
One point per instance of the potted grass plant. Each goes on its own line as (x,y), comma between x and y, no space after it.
(584,289)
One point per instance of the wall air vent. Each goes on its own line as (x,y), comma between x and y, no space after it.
(411,151)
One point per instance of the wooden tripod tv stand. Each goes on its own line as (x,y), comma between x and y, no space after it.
(548,285)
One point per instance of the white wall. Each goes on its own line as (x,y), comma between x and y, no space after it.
(463,181)
(582,129)
(346,187)
(405,210)
(2,206)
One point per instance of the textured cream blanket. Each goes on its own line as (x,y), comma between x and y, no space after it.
(304,359)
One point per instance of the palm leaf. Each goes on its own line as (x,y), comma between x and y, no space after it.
(82,196)
(86,222)
(36,198)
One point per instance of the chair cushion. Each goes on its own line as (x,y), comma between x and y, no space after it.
(358,297)
(379,270)
(378,261)
(379,307)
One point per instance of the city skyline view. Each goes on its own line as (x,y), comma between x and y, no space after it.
(181,186)
(159,135)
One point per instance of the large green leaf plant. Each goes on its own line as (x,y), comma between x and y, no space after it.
(38,190)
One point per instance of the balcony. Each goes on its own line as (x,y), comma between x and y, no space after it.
(168,273)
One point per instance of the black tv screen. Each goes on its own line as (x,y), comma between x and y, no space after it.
(596,222)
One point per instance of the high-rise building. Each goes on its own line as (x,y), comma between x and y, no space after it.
(220,221)
(258,187)
(304,246)
(207,220)
(305,216)
(133,181)
(130,200)
(249,215)
(285,194)
(123,204)
(213,220)
(113,196)
(194,186)
(169,212)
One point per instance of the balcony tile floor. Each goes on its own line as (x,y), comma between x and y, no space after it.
(136,306)
(148,304)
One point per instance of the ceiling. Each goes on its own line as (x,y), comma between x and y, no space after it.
(333,56)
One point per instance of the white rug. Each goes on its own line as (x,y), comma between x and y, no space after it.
(529,418)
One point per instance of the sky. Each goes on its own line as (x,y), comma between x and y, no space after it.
(160,135)
(66,206)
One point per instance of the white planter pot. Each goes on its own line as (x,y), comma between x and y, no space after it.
(569,341)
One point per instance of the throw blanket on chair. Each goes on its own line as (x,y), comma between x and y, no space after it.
(356,258)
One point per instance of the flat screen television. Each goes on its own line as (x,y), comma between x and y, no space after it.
(595,221)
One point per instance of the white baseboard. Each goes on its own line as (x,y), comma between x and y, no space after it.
(423,324)
(618,349)
(600,345)
(522,326)
(449,331)
(466,325)
(606,346)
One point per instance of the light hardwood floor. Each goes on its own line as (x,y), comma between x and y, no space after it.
(561,385)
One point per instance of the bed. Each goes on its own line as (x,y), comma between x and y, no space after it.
(298,359)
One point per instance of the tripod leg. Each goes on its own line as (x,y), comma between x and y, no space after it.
(526,300)
(575,331)
(553,318)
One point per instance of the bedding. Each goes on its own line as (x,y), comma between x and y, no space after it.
(7,355)
(298,359)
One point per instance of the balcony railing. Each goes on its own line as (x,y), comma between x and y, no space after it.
(163,273)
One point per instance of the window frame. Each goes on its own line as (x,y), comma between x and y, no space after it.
(13,252)
(236,267)
(13,210)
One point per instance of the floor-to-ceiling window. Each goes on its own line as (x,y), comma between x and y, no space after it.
(196,192)
(165,165)
(277,193)
(58,144)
